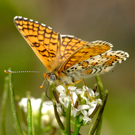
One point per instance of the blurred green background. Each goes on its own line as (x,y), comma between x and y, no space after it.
(89,20)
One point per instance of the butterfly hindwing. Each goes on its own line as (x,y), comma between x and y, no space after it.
(96,65)
(86,52)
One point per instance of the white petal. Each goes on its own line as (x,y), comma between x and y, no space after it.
(93,103)
(74,112)
(82,93)
(84,88)
(66,104)
(86,119)
(61,89)
(99,101)
(82,107)
(64,100)
(91,92)
(84,112)
(74,97)
(47,108)
(86,99)
(35,103)
(92,108)
(23,102)
(78,91)
(96,94)
(72,88)
(48,103)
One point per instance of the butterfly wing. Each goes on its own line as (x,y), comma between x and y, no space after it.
(85,52)
(69,45)
(42,39)
(97,64)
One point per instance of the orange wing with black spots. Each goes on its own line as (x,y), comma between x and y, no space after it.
(86,52)
(69,45)
(42,39)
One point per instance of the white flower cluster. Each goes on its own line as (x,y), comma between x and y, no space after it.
(84,108)
(47,110)
(85,105)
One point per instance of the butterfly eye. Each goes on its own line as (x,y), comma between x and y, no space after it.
(52,77)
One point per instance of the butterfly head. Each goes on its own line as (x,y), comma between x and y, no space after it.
(51,77)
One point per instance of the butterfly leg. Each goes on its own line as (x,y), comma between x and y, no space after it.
(70,95)
(85,87)
(68,92)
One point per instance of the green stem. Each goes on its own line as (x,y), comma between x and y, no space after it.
(58,118)
(98,123)
(29,117)
(77,125)
(68,114)
(12,99)
(40,114)
(4,101)
(100,85)
(99,126)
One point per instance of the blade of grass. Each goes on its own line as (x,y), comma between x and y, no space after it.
(29,117)
(4,102)
(12,100)
(40,115)
(68,114)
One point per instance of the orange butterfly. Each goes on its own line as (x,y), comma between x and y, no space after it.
(68,59)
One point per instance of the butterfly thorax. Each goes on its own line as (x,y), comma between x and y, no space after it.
(63,78)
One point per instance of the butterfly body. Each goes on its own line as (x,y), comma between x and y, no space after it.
(68,58)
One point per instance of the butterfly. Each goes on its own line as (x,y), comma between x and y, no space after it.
(67,58)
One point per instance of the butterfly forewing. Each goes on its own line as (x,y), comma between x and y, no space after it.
(42,39)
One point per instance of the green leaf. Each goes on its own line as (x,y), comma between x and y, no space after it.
(29,117)
(68,115)
(40,114)
(12,100)
(4,102)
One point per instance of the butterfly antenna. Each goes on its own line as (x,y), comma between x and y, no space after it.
(45,79)
(8,71)
(43,83)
